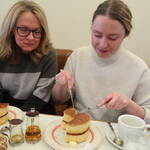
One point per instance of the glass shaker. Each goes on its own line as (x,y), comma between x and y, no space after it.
(16,132)
(33,131)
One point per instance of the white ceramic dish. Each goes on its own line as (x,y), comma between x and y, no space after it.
(110,137)
(13,113)
(54,137)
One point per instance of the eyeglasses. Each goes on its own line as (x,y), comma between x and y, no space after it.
(24,32)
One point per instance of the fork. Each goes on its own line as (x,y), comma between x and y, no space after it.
(71,97)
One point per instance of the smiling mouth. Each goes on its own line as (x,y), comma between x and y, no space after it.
(103,51)
(28,44)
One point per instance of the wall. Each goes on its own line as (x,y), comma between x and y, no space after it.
(69,22)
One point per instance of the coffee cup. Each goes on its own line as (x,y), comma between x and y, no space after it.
(128,124)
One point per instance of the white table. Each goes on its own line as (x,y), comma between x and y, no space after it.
(46,119)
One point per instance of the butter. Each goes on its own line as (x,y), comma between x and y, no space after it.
(72,143)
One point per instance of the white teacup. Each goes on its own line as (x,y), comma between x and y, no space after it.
(128,124)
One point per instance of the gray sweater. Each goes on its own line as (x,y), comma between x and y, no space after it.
(96,77)
(27,84)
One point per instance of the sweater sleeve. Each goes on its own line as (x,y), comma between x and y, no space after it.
(1,93)
(33,102)
(4,94)
(142,94)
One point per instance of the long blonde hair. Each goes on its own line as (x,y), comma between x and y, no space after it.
(7,41)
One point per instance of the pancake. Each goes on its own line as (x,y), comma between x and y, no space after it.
(69,115)
(76,125)
(3,112)
(78,138)
(79,124)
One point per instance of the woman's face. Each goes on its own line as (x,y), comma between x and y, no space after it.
(107,35)
(25,39)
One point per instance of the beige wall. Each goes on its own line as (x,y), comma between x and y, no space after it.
(69,22)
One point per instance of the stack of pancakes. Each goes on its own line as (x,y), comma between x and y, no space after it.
(76,125)
(3,112)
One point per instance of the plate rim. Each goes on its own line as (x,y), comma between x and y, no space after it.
(53,144)
(108,135)
(16,111)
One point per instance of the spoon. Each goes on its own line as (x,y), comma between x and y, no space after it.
(116,140)
(3,130)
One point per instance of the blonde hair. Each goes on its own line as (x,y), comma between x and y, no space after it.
(7,41)
(117,10)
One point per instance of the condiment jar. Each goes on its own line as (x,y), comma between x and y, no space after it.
(16,132)
(33,131)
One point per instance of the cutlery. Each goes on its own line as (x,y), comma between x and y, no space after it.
(90,108)
(51,148)
(71,96)
(5,128)
(116,139)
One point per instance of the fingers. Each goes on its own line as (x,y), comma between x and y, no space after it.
(65,77)
(70,78)
(105,100)
(115,101)
(61,79)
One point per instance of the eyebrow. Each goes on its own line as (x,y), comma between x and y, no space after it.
(37,28)
(111,34)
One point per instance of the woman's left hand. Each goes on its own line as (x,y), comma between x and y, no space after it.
(115,101)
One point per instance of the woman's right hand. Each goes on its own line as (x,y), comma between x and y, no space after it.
(65,78)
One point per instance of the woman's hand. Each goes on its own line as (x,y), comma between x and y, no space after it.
(65,78)
(119,101)
(115,101)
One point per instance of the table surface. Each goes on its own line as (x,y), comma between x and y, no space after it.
(46,119)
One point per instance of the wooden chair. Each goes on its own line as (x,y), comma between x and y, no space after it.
(62,55)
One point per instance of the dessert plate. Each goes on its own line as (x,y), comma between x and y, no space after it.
(13,113)
(54,137)
(110,136)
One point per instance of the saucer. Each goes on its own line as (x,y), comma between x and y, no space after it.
(110,136)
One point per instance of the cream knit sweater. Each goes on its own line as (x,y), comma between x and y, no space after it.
(96,77)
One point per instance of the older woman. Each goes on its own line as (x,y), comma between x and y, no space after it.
(27,59)
(105,73)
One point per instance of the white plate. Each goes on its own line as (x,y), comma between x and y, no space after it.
(13,113)
(54,137)
(110,136)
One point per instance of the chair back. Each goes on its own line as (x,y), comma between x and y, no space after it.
(62,56)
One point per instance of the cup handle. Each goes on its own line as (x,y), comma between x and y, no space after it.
(147,128)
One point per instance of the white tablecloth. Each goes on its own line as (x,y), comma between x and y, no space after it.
(41,145)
